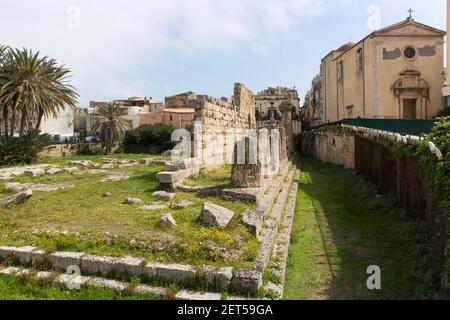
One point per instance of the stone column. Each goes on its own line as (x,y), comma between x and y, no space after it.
(286,122)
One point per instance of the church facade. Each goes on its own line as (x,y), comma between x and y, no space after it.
(393,73)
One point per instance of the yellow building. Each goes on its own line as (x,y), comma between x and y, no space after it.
(393,73)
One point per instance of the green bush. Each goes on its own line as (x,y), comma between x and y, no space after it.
(437,175)
(149,138)
(23,150)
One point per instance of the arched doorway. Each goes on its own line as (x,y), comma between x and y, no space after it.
(412,96)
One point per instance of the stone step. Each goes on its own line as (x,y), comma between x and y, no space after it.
(280,249)
(75,282)
(271,224)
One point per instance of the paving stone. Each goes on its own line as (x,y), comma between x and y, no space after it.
(63,260)
(215,216)
(105,266)
(163,195)
(167,222)
(197,296)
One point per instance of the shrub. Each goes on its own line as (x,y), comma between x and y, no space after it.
(149,138)
(23,150)
(437,174)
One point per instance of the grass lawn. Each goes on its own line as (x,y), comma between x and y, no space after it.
(341,228)
(220,177)
(82,219)
(16,288)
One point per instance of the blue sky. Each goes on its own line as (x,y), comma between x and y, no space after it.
(119,48)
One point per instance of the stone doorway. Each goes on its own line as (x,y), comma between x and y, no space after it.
(409,108)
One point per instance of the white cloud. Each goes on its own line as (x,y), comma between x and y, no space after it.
(118,36)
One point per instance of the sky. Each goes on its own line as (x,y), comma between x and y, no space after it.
(153,48)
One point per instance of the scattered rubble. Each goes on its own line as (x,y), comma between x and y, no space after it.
(163,195)
(215,216)
(167,222)
(132,201)
(18,198)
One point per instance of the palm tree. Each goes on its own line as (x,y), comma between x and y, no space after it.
(111,125)
(32,87)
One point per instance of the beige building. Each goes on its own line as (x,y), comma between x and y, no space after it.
(268,103)
(393,73)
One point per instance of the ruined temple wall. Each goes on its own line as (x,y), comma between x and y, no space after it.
(223,124)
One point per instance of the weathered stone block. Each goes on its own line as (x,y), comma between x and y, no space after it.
(18,198)
(175,272)
(163,195)
(105,266)
(214,215)
(63,260)
(217,278)
(130,266)
(34,172)
(247,281)
(253,221)
(167,222)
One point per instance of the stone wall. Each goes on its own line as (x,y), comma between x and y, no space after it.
(333,148)
(223,124)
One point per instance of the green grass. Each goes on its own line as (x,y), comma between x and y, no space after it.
(220,177)
(341,228)
(81,219)
(16,288)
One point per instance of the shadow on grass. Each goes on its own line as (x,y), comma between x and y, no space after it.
(342,227)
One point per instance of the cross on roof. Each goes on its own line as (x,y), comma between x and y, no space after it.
(410,13)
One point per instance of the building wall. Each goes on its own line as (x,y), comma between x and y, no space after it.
(62,125)
(178,120)
(369,93)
